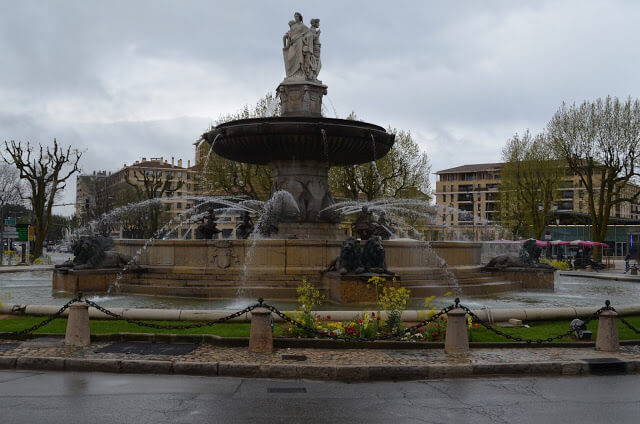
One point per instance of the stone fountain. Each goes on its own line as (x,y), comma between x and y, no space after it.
(300,146)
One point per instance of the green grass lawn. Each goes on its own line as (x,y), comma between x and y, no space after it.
(544,329)
(536,330)
(107,326)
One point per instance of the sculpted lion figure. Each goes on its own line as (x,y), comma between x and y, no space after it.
(350,259)
(528,257)
(373,256)
(95,252)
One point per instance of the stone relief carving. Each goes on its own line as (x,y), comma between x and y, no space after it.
(223,256)
(301,50)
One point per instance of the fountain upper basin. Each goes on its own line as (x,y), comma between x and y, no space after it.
(264,140)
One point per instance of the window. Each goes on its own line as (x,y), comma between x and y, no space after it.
(179,194)
(188,186)
(169,175)
(179,174)
(167,206)
(188,176)
(179,205)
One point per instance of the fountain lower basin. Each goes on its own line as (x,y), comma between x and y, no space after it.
(215,269)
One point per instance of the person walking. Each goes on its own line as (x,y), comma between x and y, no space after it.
(627,267)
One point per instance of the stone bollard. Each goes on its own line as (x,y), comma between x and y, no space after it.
(607,339)
(78,333)
(261,337)
(457,340)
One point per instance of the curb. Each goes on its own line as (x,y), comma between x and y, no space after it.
(346,373)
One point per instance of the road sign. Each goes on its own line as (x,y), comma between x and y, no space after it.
(547,235)
(32,232)
(10,222)
(23,232)
(10,232)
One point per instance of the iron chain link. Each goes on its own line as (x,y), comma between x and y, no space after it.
(477,319)
(52,317)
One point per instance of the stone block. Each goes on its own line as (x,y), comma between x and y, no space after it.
(40,363)
(92,365)
(288,371)
(77,333)
(457,338)
(261,335)
(607,339)
(196,368)
(352,373)
(8,362)
(144,366)
(230,369)
(317,372)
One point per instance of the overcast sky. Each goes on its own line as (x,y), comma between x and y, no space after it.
(126,79)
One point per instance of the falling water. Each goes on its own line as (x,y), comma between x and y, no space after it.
(326,144)
(271,213)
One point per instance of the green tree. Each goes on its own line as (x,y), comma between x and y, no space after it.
(45,171)
(600,142)
(402,173)
(529,182)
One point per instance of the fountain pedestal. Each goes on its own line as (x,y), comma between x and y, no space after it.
(301,98)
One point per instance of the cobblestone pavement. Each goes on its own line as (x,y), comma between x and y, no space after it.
(210,353)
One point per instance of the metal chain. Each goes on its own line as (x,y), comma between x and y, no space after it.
(624,321)
(169,326)
(477,319)
(29,330)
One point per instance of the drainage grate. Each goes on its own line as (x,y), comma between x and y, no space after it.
(605,365)
(294,357)
(286,390)
(168,349)
(8,346)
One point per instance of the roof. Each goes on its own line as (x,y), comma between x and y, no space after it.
(472,168)
(154,164)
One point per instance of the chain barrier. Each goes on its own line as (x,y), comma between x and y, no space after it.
(58,314)
(396,336)
(169,326)
(624,321)
(476,318)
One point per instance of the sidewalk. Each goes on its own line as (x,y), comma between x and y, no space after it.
(615,275)
(25,268)
(315,363)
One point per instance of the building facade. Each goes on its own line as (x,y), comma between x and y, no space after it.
(468,198)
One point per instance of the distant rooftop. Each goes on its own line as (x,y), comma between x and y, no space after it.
(472,168)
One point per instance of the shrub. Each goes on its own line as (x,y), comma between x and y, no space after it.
(559,265)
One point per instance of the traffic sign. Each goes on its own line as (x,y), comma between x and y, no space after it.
(23,232)
(10,222)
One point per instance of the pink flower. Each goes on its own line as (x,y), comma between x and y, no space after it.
(373,314)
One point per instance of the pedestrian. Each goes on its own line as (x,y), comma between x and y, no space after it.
(627,266)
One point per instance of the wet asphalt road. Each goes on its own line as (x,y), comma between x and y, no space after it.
(30,397)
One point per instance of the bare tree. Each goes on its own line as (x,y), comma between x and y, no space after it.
(600,141)
(150,184)
(9,195)
(46,171)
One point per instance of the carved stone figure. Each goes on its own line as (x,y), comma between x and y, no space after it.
(373,257)
(301,50)
(528,257)
(350,259)
(95,252)
(245,228)
(365,226)
(383,229)
(208,228)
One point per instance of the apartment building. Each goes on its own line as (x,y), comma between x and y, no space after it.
(471,194)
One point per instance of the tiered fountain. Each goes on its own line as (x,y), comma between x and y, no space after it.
(300,146)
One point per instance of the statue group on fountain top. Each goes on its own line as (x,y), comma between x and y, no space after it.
(208,227)
(302,50)
(366,225)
